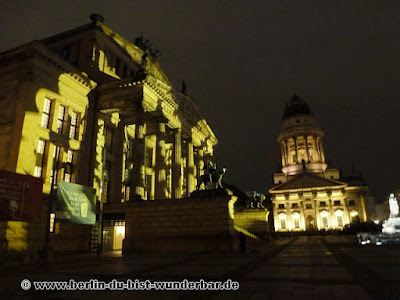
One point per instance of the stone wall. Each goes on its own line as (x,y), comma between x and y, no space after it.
(254,220)
(201,223)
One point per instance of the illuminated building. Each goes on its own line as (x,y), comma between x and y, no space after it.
(90,107)
(307,194)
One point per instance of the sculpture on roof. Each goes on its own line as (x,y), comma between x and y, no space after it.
(255,200)
(212,178)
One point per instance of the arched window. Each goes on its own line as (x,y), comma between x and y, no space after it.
(324,219)
(296,220)
(339,218)
(282,221)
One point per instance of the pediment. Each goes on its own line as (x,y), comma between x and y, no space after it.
(308,181)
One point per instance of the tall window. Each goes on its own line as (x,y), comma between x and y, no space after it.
(106,183)
(148,157)
(296,221)
(148,186)
(324,219)
(339,220)
(61,119)
(127,184)
(46,113)
(283,223)
(68,170)
(108,136)
(38,172)
(74,128)
(129,152)
(56,158)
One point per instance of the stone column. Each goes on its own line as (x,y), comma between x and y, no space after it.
(317,144)
(307,150)
(200,162)
(176,167)
(297,150)
(322,150)
(190,168)
(160,164)
(139,172)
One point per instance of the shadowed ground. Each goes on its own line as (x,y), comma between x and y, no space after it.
(329,267)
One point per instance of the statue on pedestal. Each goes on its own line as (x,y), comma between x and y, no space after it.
(255,200)
(394,206)
(212,178)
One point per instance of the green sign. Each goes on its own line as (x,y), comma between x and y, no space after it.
(76,203)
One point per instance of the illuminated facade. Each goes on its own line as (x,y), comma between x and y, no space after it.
(307,194)
(88,106)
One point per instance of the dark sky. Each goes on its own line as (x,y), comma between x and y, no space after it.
(242,61)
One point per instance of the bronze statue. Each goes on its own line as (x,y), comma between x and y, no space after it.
(211,175)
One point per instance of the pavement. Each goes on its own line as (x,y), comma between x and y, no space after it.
(317,267)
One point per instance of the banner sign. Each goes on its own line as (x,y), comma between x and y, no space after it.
(76,203)
(20,197)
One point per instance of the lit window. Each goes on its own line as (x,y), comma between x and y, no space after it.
(282,221)
(61,119)
(311,155)
(339,218)
(52,222)
(296,221)
(339,221)
(74,128)
(56,157)
(68,166)
(106,182)
(46,113)
(38,172)
(127,193)
(129,153)
(148,157)
(324,219)
(70,156)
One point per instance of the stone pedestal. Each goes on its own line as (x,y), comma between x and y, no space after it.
(391,226)
(198,224)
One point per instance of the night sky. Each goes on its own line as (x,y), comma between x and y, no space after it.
(242,61)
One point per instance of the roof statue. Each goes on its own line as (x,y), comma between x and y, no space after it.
(296,106)
(97,18)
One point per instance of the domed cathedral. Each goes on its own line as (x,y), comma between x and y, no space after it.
(307,194)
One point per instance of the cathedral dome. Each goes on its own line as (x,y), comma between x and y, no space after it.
(296,106)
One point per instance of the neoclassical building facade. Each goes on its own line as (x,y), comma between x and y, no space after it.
(88,106)
(307,194)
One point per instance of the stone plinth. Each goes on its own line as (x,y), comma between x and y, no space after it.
(254,220)
(197,224)
(391,226)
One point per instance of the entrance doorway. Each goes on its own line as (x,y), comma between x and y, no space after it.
(310,223)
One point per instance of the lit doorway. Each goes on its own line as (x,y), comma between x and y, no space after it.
(119,235)
(310,223)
